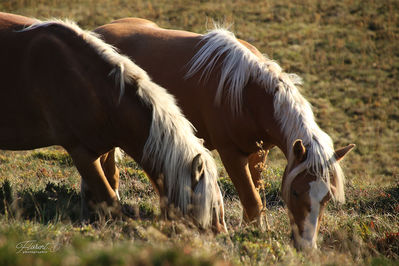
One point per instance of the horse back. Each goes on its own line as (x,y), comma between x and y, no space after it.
(10,20)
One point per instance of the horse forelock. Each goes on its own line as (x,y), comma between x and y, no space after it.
(170,149)
(291,109)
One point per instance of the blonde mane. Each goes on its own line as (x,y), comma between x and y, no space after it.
(293,112)
(171,144)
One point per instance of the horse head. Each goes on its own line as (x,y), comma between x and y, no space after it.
(199,177)
(201,198)
(306,193)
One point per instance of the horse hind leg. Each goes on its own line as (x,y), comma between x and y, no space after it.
(96,190)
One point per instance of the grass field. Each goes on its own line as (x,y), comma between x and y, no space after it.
(348,55)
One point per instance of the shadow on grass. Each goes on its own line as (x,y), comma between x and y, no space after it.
(56,202)
(271,193)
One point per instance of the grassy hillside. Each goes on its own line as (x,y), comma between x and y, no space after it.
(348,56)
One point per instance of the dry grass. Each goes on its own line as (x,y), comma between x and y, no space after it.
(348,55)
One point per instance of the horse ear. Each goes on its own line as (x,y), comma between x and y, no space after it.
(202,141)
(299,151)
(340,153)
(197,170)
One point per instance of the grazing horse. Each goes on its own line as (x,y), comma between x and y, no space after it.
(236,97)
(64,86)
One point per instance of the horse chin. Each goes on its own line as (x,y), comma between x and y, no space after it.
(300,242)
(207,212)
(198,207)
(303,244)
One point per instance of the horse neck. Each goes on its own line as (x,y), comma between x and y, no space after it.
(260,105)
(277,138)
(124,118)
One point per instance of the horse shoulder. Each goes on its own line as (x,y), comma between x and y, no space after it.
(43,52)
(57,66)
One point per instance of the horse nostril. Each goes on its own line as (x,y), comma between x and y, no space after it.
(292,236)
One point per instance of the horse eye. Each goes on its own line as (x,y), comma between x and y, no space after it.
(295,193)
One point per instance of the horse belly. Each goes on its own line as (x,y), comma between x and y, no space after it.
(22,131)
(22,122)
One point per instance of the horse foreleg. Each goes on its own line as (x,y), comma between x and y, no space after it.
(94,181)
(110,170)
(256,163)
(236,165)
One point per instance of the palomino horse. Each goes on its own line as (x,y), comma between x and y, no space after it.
(64,86)
(235,97)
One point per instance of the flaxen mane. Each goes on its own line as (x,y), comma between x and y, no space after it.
(171,145)
(291,109)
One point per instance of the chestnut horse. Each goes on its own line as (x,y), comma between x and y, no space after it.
(64,86)
(235,97)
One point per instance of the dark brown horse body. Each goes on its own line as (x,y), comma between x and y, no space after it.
(63,86)
(43,101)
(235,97)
